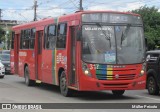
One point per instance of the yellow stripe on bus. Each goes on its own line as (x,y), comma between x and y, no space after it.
(109,73)
(55,67)
(56,74)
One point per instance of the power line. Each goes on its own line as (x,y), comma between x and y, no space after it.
(61,4)
(41,3)
(74,4)
(43,8)
(119,3)
(15,12)
(71,5)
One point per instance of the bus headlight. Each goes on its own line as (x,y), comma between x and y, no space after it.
(86,70)
(143,70)
(142,73)
(87,73)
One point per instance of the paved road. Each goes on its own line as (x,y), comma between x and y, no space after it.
(14,90)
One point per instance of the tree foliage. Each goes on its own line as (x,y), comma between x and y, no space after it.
(5,38)
(151,19)
(2,33)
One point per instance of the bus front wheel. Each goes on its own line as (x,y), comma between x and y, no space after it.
(28,81)
(65,91)
(118,92)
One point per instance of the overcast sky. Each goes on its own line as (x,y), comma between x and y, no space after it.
(22,9)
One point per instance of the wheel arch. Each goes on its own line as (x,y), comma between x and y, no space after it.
(25,65)
(61,69)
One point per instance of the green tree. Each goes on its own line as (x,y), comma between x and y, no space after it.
(2,33)
(151,19)
(9,35)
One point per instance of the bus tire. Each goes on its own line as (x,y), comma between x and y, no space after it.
(118,92)
(65,91)
(152,86)
(28,81)
(2,76)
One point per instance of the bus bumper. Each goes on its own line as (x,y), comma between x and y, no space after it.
(92,84)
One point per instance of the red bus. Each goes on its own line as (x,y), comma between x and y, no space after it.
(84,51)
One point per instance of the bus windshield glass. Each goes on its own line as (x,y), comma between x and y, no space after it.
(113,44)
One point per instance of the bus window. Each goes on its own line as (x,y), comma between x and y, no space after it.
(61,39)
(22,34)
(52,36)
(25,36)
(32,39)
(45,36)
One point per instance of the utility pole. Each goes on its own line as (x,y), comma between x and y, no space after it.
(80,5)
(0,14)
(35,10)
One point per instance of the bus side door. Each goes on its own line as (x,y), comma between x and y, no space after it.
(38,55)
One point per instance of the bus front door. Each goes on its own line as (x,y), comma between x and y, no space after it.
(73,74)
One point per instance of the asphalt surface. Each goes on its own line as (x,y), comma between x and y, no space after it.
(14,90)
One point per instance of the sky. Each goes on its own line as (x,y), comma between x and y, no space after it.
(22,10)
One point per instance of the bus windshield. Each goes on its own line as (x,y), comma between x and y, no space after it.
(114,44)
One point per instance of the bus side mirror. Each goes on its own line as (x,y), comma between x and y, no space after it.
(79,35)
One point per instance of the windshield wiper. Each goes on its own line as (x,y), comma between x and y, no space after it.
(124,34)
(93,46)
(106,36)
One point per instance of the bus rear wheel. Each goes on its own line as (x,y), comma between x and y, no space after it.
(152,86)
(28,82)
(65,91)
(118,92)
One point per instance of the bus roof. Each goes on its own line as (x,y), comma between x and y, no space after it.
(46,21)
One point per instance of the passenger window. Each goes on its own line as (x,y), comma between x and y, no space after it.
(61,39)
(51,37)
(45,37)
(27,39)
(32,39)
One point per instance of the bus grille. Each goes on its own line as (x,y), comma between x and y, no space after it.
(115,77)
